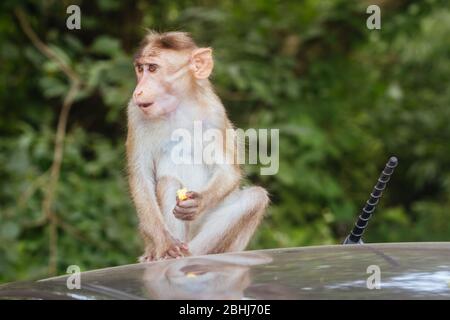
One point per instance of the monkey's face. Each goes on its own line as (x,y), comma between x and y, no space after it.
(165,76)
(156,93)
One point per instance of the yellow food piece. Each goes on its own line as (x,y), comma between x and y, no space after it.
(181,194)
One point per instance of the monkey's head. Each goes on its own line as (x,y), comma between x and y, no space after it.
(169,68)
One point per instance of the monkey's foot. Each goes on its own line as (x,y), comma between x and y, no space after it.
(176,251)
(146,258)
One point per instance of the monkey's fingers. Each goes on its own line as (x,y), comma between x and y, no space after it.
(193,195)
(186,217)
(146,258)
(179,250)
(189,218)
(179,211)
(188,204)
(185,251)
(172,253)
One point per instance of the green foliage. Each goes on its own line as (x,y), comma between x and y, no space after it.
(344,98)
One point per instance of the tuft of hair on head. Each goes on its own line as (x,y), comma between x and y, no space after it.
(173,40)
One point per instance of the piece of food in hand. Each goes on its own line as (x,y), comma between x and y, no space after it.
(181,194)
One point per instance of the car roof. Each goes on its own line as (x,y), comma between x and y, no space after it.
(407,271)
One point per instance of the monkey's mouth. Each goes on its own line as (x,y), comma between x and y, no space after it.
(145,106)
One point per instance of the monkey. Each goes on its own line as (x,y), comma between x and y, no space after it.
(173,91)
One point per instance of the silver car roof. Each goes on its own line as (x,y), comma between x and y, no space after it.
(406,271)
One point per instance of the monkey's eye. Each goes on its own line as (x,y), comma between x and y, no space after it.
(152,67)
(139,68)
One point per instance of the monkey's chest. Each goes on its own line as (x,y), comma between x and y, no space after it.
(185,163)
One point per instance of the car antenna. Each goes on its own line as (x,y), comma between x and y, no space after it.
(363,220)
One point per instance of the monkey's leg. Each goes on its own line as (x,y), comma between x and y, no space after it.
(231,225)
(166,190)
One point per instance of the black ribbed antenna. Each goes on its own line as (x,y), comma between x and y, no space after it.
(363,220)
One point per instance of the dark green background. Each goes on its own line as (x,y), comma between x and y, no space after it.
(345,98)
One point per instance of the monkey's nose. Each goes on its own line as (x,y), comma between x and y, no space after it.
(138,93)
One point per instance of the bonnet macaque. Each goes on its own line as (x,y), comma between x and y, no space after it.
(172,92)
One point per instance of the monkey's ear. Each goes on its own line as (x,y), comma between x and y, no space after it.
(202,62)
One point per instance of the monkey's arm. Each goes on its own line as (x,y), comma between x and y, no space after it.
(151,221)
(159,241)
(166,190)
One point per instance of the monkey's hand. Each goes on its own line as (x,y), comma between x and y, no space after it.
(190,208)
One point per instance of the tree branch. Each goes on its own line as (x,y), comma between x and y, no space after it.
(55,169)
(42,47)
